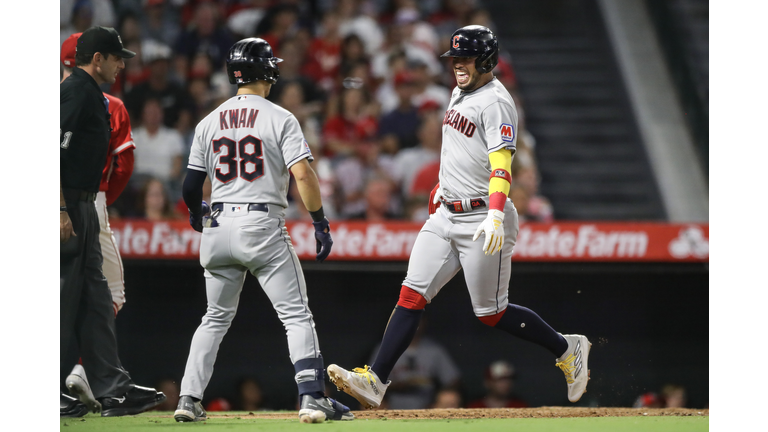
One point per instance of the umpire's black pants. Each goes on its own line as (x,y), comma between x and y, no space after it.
(86,306)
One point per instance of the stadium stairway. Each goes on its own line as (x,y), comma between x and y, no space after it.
(590,154)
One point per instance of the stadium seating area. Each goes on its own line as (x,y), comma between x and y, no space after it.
(364,78)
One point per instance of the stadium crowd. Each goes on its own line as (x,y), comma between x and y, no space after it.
(364,79)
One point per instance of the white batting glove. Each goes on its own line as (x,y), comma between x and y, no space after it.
(493,227)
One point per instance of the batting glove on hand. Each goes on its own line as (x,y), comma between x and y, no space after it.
(493,227)
(196,220)
(323,238)
(434,198)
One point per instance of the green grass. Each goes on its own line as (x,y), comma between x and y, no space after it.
(164,421)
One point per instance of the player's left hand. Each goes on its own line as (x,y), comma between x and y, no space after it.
(196,220)
(493,227)
(323,238)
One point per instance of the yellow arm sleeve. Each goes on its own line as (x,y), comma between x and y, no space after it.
(500,159)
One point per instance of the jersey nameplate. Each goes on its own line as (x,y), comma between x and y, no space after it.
(457,121)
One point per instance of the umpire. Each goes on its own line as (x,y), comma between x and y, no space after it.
(85,299)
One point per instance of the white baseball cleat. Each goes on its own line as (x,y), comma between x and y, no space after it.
(78,386)
(574,365)
(361,383)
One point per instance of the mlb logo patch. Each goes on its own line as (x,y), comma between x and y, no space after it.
(236,209)
(507,132)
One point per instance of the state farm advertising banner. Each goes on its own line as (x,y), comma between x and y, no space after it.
(393,241)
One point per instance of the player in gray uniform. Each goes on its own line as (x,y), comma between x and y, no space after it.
(246,147)
(479,138)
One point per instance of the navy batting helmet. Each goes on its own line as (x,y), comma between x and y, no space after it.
(475,41)
(250,60)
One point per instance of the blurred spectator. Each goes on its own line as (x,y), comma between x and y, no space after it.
(447,398)
(671,396)
(534,207)
(499,383)
(218,404)
(353,174)
(280,23)
(160,21)
(153,202)
(422,371)
(243,21)
(354,21)
(385,92)
(674,396)
(351,125)
(352,52)
(415,31)
(160,149)
(171,390)
(76,16)
(291,71)
(78,20)
(324,55)
(409,163)
(292,99)
(398,128)
(426,90)
(129,28)
(378,200)
(205,34)
(423,182)
(250,396)
(175,100)
(648,400)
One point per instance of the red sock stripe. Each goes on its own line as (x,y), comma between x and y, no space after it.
(410,299)
(492,320)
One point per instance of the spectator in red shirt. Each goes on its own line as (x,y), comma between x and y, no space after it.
(351,125)
(499,381)
(324,56)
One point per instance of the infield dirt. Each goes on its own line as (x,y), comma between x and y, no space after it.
(465,413)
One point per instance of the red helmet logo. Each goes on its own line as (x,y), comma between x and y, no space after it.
(456,41)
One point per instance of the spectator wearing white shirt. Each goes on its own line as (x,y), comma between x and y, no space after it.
(161,149)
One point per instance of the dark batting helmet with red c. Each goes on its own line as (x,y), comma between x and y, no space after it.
(250,60)
(475,41)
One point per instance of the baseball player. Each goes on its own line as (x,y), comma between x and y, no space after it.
(247,146)
(117,171)
(479,136)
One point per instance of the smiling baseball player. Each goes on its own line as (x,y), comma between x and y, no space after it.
(246,147)
(479,136)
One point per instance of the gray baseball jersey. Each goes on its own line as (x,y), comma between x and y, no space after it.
(476,124)
(246,146)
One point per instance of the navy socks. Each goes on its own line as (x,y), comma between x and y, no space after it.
(398,335)
(526,324)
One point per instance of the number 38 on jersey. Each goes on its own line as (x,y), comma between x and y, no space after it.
(238,159)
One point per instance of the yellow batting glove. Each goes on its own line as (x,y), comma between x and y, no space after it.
(493,227)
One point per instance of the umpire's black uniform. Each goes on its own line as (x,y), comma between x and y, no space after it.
(86,302)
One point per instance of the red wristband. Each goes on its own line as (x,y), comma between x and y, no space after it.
(497,201)
(502,174)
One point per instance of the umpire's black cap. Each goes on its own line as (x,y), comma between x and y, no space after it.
(104,40)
